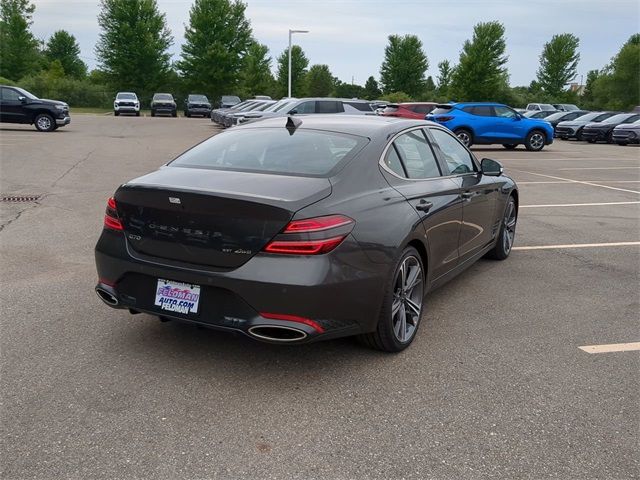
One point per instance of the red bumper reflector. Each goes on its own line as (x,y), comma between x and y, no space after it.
(309,247)
(293,318)
(112,223)
(109,283)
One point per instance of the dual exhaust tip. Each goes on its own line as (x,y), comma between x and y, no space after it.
(268,333)
(107,297)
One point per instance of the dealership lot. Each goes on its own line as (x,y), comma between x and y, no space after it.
(495,384)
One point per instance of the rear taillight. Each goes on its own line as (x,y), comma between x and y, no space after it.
(111,220)
(311,236)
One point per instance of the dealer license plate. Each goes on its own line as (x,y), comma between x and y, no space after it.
(177,297)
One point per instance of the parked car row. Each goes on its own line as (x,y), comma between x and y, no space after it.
(252,110)
(165,103)
(595,126)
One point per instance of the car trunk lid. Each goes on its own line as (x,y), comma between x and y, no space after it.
(216,218)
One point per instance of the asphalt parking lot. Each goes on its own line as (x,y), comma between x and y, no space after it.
(494,386)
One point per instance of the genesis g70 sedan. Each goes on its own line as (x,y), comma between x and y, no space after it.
(303,228)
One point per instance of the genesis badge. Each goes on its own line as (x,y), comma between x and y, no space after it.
(174,200)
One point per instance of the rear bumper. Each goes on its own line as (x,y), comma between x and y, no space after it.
(341,292)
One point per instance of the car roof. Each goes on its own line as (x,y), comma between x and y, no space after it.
(470,104)
(333,99)
(361,125)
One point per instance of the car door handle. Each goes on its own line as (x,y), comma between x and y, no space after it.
(424,206)
(466,195)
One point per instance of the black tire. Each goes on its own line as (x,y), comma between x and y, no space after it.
(510,146)
(507,234)
(392,326)
(591,140)
(115,114)
(153,113)
(535,141)
(174,113)
(187,114)
(623,144)
(465,136)
(579,135)
(610,137)
(137,113)
(44,122)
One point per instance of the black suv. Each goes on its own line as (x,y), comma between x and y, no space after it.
(163,103)
(19,106)
(197,105)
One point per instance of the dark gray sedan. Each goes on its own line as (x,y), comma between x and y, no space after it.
(298,229)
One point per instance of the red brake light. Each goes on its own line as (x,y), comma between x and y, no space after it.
(293,318)
(317,224)
(325,234)
(111,220)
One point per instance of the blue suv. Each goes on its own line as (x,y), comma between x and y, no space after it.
(490,123)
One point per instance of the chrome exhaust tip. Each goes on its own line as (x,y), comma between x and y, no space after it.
(277,333)
(107,297)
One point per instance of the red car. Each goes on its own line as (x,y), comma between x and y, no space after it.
(415,110)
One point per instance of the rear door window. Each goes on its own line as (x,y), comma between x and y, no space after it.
(326,106)
(9,95)
(417,156)
(306,107)
(360,106)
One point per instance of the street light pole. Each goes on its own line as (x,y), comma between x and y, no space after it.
(289,71)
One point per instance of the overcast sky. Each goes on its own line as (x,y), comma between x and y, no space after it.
(350,35)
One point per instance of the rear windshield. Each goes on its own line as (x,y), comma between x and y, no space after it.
(441,110)
(273,150)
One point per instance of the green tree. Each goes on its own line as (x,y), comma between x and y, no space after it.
(481,74)
(319,81)
(445,71)
(621,84)
(404,65)
(299,64)
(132,47)
(558,63)
(348,90)
(19,54)
(256,77)
(371,89)
(588,99)
(62,46)
(217,40)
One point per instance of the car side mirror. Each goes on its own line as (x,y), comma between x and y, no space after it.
(491,168)
(293,112)
(518,116)
(22,99)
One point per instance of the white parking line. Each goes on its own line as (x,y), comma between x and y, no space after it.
(598,168)
(578,204)
(611,347)
(577,245)
(580,181)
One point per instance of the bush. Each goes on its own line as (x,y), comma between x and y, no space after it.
(75,92)
(6,81)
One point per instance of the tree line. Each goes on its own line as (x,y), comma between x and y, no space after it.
(221,56)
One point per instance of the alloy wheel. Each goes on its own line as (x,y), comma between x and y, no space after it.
(407,299)
(509,227)
(44,123)
(464,138)
(536,141)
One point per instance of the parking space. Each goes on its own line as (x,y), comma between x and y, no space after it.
(494,386)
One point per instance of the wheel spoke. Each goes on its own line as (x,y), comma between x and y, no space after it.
(413,306)
(402,320)
(413,279)
(395,307)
